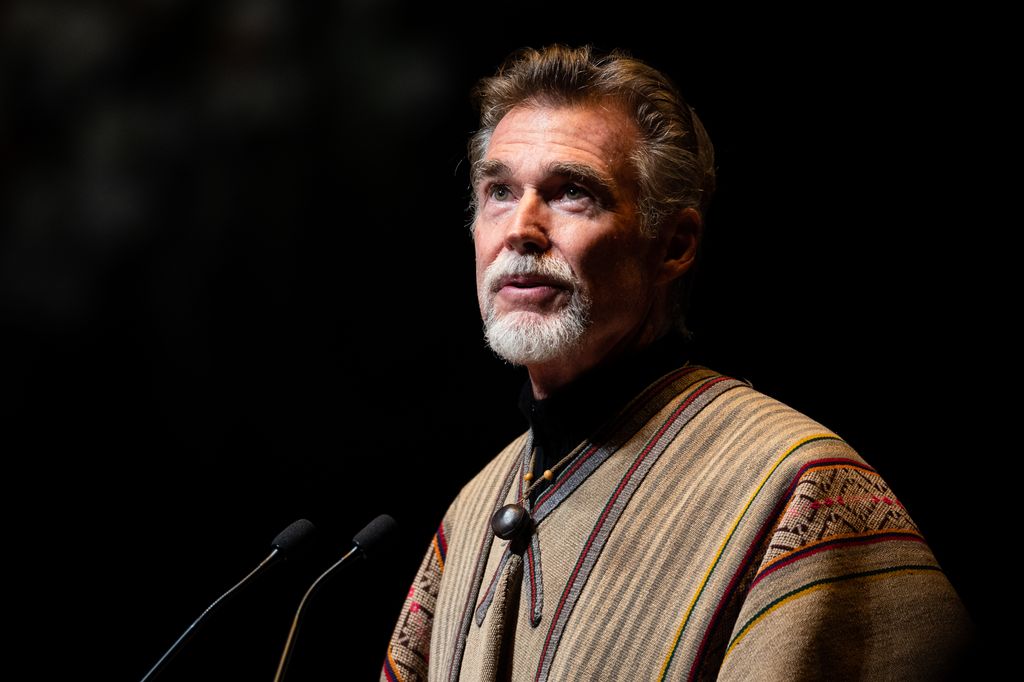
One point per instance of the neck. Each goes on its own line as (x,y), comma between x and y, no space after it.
(548,378)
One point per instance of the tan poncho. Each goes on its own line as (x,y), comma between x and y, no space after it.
(709,532)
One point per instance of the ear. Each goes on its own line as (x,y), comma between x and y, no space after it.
(679,239)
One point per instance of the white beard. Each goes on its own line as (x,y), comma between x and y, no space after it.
(526,337)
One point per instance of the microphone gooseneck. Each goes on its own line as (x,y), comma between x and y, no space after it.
(295,535)
(365,543)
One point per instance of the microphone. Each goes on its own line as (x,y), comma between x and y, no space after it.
(288,540)
(365,544)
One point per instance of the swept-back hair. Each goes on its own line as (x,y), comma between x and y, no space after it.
(674,160)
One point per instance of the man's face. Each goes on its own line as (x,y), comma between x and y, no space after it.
(558,240)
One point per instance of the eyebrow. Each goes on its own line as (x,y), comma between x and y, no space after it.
(489,169)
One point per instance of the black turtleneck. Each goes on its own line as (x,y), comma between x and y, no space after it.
(577,410)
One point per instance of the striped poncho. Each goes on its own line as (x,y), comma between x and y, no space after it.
(709,532)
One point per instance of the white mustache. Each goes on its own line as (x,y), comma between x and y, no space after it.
(512,264)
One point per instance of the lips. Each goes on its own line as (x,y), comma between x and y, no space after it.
(528,282)
(529,292)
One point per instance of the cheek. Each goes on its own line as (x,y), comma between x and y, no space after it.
(483,259)
(610,261)
(616,278)
(486,242)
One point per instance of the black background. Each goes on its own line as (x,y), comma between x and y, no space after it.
(237,290)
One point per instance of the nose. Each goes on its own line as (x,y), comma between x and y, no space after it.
(528,230)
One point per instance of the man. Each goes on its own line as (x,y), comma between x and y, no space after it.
(658,520)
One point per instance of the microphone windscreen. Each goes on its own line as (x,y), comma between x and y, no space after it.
(295,535)
(372,537)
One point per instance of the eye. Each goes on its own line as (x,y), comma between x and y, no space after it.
(499,192)
(575,192)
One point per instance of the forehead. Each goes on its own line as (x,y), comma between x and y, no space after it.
(601,135)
